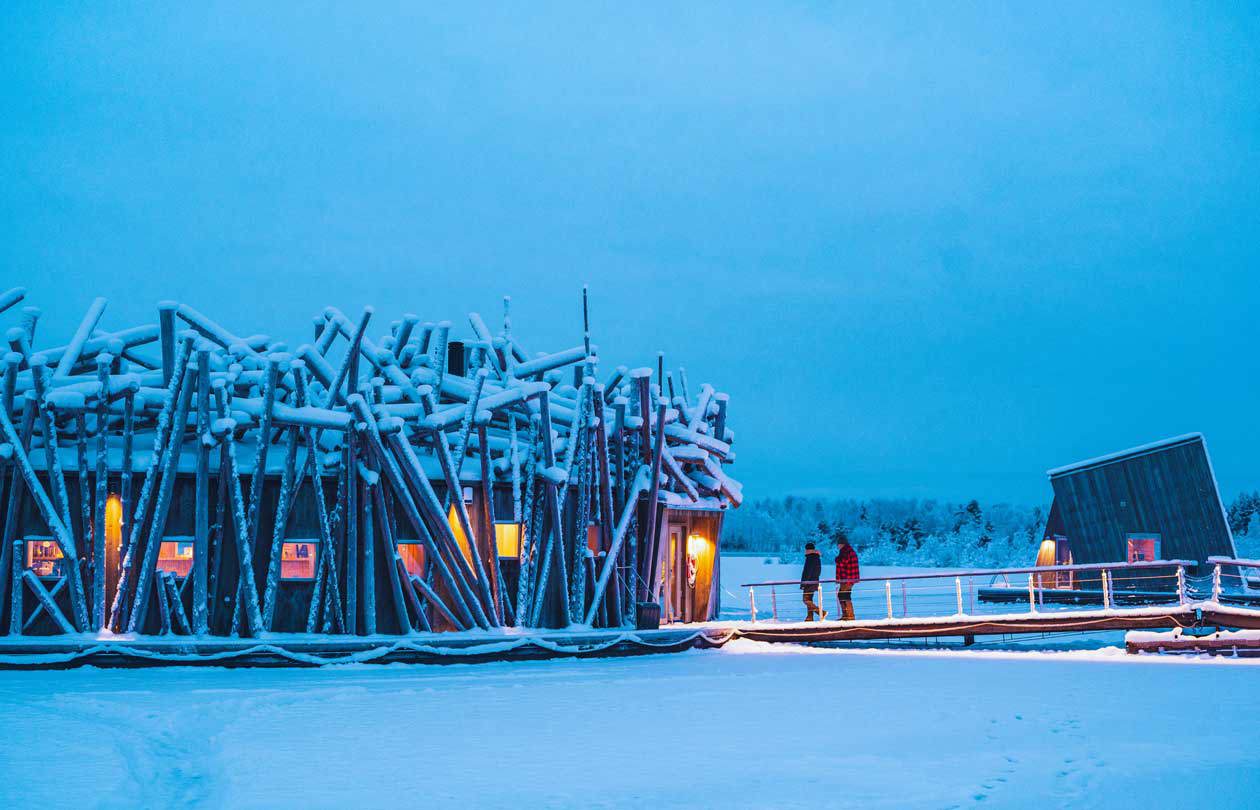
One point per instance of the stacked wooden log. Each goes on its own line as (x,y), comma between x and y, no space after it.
(388,432)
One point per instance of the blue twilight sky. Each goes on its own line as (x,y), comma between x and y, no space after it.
(929,249)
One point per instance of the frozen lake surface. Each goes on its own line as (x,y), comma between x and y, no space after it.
(748,726)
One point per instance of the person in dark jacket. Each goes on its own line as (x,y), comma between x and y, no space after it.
(848,572)
(810,575)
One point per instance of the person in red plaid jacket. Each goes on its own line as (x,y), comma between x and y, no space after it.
(848,572)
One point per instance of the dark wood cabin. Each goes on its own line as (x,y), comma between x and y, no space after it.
(1155,502)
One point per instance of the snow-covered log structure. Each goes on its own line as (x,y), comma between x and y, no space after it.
(180,477)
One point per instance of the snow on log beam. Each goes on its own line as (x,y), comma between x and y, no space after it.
(676,473)
(129,339)
(702,409)
(549,361)
(214,331)
(71,354)
(11,297)
(709,443)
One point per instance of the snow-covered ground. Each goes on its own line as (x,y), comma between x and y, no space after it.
(751,725)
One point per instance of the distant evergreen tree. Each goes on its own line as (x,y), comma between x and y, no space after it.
(1241,511)
(914,531)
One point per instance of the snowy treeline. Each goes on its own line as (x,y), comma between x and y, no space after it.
(924,532)
(892,531)
(1245,524)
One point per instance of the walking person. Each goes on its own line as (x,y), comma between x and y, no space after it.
(848,572)
(809,583)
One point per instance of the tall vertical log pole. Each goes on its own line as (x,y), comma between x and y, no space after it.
(166,327)
(350,471)
(12,508)
(603,473)
(201,517)
(103,362)
(651,544)
(555,513)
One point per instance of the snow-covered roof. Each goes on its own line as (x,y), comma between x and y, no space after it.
(1121,455)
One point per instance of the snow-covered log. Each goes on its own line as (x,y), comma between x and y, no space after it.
(547,362)
(11,297)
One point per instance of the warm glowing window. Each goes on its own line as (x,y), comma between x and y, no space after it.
(412,555)
(43,556)
(1143,547)
(452,517)
(176,556)
(297,560)
(113,521)
(507,537)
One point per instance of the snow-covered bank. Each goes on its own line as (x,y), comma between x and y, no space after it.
(751,726)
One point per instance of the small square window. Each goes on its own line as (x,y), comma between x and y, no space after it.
(176,556)
(43,556)
(1143,547)
(412,555)
(297,560)
(507,537)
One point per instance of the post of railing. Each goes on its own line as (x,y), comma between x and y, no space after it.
(1106,589)
(888,595)
(905,604)
(958,593)
(1032,595)
(752,602)
(1181,584)
(1216,583)
(774,604)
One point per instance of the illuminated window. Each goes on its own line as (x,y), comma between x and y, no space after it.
(507,537)
(43,556)
(297,560)
(1143,547)
(113,522)
(412,555)
(176,556)
(592,538)
(452,517)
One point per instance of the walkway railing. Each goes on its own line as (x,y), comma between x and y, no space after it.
(982,592)
(1233,578)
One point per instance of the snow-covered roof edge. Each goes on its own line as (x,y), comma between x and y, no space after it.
(1131,452)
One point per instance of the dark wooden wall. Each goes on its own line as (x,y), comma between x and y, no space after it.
(1169,491)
